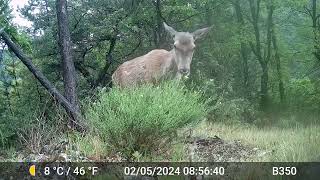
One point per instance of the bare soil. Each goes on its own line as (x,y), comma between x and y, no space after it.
(215,149)
(199,149)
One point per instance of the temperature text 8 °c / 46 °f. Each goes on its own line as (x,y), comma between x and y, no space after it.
(65,171)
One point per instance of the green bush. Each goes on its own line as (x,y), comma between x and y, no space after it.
(233,111)
(305,95)
(24,109)
(142,119)
(224,106)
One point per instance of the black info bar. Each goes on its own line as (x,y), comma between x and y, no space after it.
(160,170)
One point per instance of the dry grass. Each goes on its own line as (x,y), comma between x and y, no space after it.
(295,144)
(91,146)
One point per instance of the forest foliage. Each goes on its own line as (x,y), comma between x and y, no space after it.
(258,64)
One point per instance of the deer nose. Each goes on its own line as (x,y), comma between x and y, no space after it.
(184,71)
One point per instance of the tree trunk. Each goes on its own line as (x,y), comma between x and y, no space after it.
(256,48)
(264,98)
(158,39)
(269,31)
(255,12)
(279,71)
(243,51)
(69,72)
(314,14)
(316,31)
(103,79)
(42,79)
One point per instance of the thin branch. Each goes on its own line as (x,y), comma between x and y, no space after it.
(41,78)
(133,50)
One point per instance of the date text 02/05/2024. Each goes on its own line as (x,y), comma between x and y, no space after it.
(173,171)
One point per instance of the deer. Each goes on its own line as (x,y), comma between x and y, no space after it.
(160,64)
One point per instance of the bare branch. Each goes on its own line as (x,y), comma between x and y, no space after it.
(41,78)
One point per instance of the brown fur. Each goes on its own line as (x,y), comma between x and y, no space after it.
(144,69)
(160,64)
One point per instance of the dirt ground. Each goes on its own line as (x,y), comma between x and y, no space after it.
(215,149)
(198,149)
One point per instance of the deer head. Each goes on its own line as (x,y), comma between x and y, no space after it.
(184,45)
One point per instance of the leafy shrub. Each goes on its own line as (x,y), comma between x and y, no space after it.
(306,96)
(224,106)
(141,119)
(235,110)
(29,114)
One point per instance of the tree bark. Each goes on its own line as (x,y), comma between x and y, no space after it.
(269,31)
(68,68)
(264,100)
(255,12)
(158,37)
(102,76)
(243,51)
(41,78)
(279,71)
(314,14)
(256,48)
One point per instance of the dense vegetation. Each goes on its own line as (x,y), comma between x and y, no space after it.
(142,119)
(259,66)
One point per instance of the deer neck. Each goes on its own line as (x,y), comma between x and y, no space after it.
(173,67)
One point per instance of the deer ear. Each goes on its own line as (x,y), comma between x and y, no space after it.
(200,33)
(169,29)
